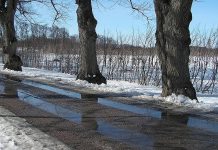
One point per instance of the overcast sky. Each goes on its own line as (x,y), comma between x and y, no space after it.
(113,19)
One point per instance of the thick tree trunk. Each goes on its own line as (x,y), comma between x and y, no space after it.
(7,13)
(89,69)
(172,43)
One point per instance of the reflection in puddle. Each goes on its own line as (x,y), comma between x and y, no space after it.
(2,88)
(190,121)
(104,128)
(130,108)
(141,111)
(48,107)
(53,89)
(208,125)
(128,136)
(186,119)
(173,117)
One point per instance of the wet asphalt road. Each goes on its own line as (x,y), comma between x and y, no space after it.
(90,122)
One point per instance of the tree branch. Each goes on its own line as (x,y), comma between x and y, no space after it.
(57,15)
(142,8)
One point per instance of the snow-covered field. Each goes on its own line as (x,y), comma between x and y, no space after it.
(11,129)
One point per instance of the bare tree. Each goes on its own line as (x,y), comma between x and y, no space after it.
(7,14)
(172,43)
(7,17)
(89,69)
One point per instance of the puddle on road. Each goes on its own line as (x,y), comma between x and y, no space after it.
(106,102)
(2,88)
(53,89)
(48,107)
(208,125)
(190,121)
(102,127)
(140,140)
(130,108)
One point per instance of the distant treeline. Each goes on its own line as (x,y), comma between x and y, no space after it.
(58,40)
(36,37)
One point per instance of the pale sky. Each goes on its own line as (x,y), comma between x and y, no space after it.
(113,19)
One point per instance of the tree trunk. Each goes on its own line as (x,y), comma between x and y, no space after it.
(89,69)
(172,43)
(7,13)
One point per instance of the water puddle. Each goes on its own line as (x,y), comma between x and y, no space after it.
(207,125)
(190,121)
(140,140)
(141,111)
(2,88)
(53,89)
(102,127)
(48,107)
(106,102)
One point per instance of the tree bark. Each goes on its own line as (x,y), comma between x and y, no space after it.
(89,69)
(7,13)
(172,43)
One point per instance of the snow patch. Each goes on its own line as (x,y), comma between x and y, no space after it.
(17,134)
(180,100)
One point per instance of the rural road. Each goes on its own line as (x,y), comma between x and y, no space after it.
(84,121)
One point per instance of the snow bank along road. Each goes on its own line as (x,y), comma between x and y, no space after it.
(17,134)
(84,121)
